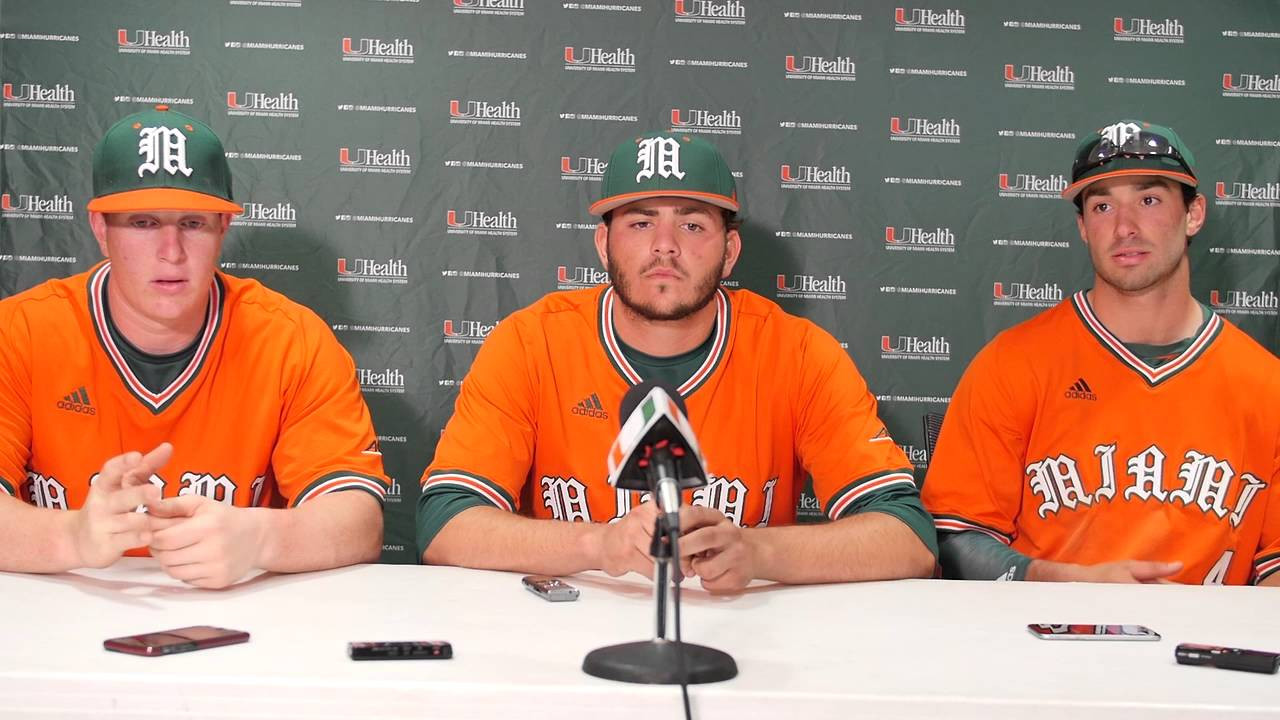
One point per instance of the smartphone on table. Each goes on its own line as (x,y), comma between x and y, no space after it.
(551,589)
(180,640)
(1093,632)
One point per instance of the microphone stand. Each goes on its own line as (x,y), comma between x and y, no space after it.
(660,661)
(660,549)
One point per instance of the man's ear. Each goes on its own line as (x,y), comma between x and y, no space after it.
(98,224)
(602,244)
(1080,229)
(732,251)
(1197,210)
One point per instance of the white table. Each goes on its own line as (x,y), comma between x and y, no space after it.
(910,649)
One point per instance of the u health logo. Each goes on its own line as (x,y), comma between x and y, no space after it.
(915,129)
(1020,294)
(579,277)
(1147,30)
(260,104)
(1246,194)
(811,287)
(1251,85)
(949,21)
(479,222)
(710,122)
(395,161)
(466,332)
(595,59)
(1027,185)
(398,51)
(582,168)
(393,271)
(482,112)
(258,214)
(813,177)
(915,347)
(153,42)
(59,96)
(1243,302)
(711,12)
(489,7)
(813,67)
(1039,77)
(940,239)
(388,380)
(25,206)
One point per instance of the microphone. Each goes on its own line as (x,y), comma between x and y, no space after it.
(656,449)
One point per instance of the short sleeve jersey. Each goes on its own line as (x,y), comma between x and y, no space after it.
(776,398)
(267,412)
(1062,443)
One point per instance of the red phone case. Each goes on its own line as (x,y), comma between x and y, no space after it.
(168,642)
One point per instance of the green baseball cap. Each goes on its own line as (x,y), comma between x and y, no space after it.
(666,165)
(1130,147)
(160,159)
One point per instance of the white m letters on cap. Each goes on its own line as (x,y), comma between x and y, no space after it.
(162,148)
(1119,133)
(659,155)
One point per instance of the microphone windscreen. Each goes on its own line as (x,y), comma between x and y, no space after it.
(638,393)
(633,398)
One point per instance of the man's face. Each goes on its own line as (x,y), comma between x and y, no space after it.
(162,263)
(667,255)
(1136,227)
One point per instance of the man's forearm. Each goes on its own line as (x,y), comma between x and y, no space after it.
(493,539)
(341,528)
(867,546)
(35,539)
(1049,571)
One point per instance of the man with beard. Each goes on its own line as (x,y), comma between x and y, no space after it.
(771,396)
(1129,434)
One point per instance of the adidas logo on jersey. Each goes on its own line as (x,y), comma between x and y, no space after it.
(1080,390)
(78,402)
(590,407)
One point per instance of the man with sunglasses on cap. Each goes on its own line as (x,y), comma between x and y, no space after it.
(771,398)
(1129,434)
(244,403)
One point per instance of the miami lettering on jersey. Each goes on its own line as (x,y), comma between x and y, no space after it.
(566,499)
(1206,483)
(48,492)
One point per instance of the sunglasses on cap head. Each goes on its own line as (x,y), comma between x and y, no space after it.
(1140,144)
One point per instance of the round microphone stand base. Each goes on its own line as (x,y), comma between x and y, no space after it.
(658,662)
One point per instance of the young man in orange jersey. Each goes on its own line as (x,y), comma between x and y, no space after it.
(244,403)
(1129,434)
(519,477)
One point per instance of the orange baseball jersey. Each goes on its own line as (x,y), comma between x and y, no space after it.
(267,413)
(1062,443)
(776,397)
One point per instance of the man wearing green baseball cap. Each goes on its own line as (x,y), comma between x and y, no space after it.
(244,403)
(519,479)
(1128,434)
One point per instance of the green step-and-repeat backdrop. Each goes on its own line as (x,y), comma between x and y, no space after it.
(415,170)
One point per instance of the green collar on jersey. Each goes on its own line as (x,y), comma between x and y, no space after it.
(672,369)
(1209,330)
(618,358)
